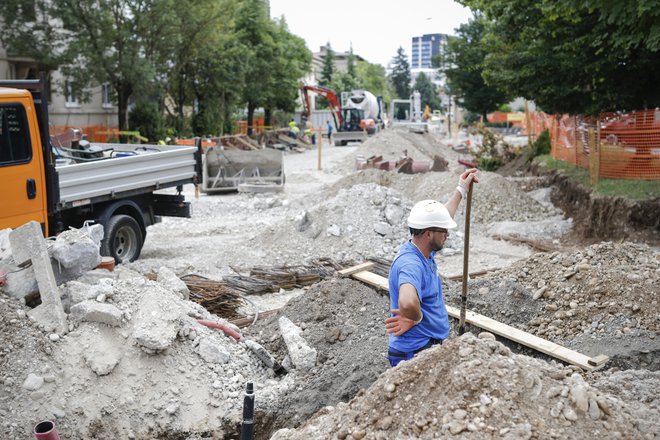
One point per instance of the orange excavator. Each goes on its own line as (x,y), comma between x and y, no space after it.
(350,122)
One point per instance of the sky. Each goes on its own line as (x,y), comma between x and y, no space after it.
(376,29)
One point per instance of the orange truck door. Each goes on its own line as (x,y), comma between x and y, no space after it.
(21,165)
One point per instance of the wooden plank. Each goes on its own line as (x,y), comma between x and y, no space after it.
(470,275)
(358,268)
(504,330)
(372,279)
(599,360)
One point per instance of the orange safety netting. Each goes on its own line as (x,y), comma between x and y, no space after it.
(613,145)
(257,126)
(95,133)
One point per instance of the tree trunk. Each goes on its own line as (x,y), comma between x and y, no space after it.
(123,93)
(268,113)
(250,117)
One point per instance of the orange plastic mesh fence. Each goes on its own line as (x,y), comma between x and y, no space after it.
(95,133)
(615,145)
(257,127)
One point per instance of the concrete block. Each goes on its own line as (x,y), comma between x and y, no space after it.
(75,249)
(212,352)
(158,319)
(303,357)
(92,311)
(28,244)
(170,281)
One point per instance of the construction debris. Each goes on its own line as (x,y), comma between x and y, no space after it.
(143,362)
(404,165)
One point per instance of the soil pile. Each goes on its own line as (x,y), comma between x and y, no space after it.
(475,388)
(344,321)
(157,373)
(599,300)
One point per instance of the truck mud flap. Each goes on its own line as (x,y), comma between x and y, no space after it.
(171,206)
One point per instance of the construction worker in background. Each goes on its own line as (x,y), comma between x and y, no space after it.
(293,129)
(329,131)
(308,133)
(419,317)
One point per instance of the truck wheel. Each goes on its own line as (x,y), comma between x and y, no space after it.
(123,239)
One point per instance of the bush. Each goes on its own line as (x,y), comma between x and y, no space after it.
(542,145)
(146,118)
(489,163)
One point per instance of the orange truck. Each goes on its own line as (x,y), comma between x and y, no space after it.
(115,185)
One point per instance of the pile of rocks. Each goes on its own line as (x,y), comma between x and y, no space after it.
(475,388)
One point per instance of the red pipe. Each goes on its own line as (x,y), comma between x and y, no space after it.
(228,330)
(46,430)
(467,163)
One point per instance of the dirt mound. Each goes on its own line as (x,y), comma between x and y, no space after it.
(344,321)
(472,388)
(99,381)
(598,300)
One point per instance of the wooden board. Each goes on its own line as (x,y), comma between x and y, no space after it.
(527,339)
(353,269)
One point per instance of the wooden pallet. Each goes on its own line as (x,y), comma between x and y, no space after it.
(361,273)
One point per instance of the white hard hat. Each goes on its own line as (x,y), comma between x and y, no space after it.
(430,214)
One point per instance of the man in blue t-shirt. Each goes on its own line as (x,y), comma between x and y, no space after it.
(419,317)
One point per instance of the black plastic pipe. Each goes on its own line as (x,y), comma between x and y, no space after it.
(247,427)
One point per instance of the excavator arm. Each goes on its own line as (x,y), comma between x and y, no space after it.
(329,95)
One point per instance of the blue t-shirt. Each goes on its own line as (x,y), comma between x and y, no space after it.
(411,267)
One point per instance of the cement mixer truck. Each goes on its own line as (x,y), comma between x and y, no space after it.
(359,113)
(370,105)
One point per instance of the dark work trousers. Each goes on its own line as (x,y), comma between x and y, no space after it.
(395,356)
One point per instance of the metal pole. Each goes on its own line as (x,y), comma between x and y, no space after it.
(320,149)
(247,427)
(466,254)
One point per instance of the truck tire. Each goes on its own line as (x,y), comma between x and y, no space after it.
(123,239)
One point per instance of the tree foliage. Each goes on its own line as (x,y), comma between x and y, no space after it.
(428,92)
(574,57)
(328,68)
(463,66)
(372,77)
(400,75)
(212,55)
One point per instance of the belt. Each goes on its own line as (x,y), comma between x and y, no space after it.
(401,354)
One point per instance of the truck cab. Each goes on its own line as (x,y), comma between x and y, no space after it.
(22,172)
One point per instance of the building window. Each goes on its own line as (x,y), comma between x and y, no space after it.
(107,95)
(71,94)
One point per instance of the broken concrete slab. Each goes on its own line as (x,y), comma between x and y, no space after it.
(93,311)
(171,281)
(75,292)
(157,321)
(303,357)
(78,248)
(73,253)
(28,244)
(211,351)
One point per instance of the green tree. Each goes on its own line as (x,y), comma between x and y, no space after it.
(328,69)
(292,61)
(574,57)
(96,41)
(463,65)
(428,92)
(204,66)
(256,35)
(372,77)
(400,76)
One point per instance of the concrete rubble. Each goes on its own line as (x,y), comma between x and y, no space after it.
(132,360)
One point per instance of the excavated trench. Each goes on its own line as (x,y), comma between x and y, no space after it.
(605,218)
